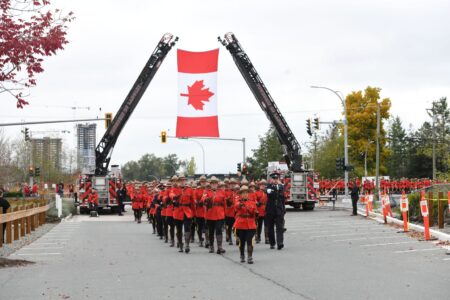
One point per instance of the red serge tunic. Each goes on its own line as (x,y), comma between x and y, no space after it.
(245,214)
(186,205)
(261,200)
(93,198)
(199,203)
(175,196)
(215,205)
(229,201)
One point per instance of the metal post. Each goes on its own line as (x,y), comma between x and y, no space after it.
(378,153)
(434,147)
(243,149)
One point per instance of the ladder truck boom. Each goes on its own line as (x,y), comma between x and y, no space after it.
(287,139)
(106,145)
(301,186)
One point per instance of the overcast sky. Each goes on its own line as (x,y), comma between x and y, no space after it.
(402,47)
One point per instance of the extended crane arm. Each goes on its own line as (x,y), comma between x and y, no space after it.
(105,147)
(287,139)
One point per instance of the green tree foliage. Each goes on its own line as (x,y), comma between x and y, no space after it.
(269,149)
(329,147)
(150,166)
(362,127)
(397,146)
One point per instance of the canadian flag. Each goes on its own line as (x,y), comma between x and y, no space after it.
(197,94)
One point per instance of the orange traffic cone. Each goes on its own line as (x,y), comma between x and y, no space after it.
(404,207)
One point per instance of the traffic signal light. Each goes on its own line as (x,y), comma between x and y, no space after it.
(340,164)
(239,167)
(163,137)
(30,171)
(27,134)
(308,127)
(37,171)
(316,123)
(108,120)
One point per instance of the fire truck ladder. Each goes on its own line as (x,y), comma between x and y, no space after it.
(106,145)
(291,147)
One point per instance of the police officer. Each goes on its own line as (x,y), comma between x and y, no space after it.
(275,211)
(355,196)
(121,196)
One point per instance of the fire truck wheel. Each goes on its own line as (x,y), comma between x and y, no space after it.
(308,206)
(296,206)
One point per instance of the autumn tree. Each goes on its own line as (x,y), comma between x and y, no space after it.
(30,30)
(362,128)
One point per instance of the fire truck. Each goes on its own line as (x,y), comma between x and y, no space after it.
(303,190)
(103,180)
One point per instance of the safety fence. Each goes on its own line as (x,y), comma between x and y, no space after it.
(22,220)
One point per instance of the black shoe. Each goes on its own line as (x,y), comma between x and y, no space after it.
(120,214)
(280,247)
(187,250)
(266,242)
(242,259)
(272,246)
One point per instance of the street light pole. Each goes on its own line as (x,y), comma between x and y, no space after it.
(377,172)
(345,134)
(203,151)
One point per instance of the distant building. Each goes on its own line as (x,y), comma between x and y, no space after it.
(46,153)
(86,143)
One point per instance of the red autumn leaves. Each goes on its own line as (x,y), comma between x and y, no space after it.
(198,95)
(28,33)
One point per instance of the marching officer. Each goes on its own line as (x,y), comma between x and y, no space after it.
(245,224)
(169,226)
(275,211)
(261,200)
(229,212)
(200,209)
(183,213)
(215,215)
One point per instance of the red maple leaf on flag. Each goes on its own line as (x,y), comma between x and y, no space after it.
(198,94)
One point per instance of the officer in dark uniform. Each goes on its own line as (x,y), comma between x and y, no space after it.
(275,211)
(5,205)
(121,196)
(355,197)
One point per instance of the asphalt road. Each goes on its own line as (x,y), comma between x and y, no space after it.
(328,255)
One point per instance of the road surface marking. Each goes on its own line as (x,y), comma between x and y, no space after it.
(369,238)
(387,244)
(47,243)
(418,250)
(344,234)
(34,254)
(44,248)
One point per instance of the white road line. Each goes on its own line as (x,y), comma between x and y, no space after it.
(335,231)
(369,238)
(47,243)
(44,248)
(418,250)
(446,259)
(35,254)
(387,244)
(344,234)
(52,239)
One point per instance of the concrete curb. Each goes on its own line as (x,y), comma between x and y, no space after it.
(379,218)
